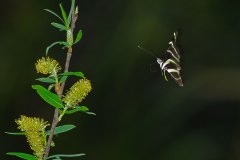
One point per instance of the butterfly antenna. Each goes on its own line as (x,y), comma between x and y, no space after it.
(147,51)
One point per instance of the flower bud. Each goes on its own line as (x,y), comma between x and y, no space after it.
(69,37)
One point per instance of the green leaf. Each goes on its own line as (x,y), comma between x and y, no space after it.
(51,86)
(71,10)
(22,155)
(56,43)
(62,129)
(66,155)
(46,80)
(15,133)
(77,109)
(48,96)
(55,14)
(79,37)
(78,74)
(91,113)
(63,79)
(64,15)
(59,26)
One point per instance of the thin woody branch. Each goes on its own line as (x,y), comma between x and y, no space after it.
(56,112)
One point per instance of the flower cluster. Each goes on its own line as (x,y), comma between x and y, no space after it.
(47,66)
(77,93)
(34,130)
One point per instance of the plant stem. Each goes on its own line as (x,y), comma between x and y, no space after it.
(56,112)
(62,114)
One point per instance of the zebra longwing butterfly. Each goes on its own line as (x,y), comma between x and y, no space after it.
(170,61)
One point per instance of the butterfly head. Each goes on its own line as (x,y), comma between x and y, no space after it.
(159,61)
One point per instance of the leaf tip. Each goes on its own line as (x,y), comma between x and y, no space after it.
(91,113)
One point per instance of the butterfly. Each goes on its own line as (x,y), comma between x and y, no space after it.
(170,62)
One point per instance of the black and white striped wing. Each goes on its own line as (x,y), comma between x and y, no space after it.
(173,50)
(171,63)
(173,68)
(176,76)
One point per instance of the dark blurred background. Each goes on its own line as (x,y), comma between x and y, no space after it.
(140,116)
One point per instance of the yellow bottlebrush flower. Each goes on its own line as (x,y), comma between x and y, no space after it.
(34,130)
(77,93)
(47,66)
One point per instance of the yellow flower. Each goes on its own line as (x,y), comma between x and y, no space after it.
(34,130)
(47,66)
(77,93)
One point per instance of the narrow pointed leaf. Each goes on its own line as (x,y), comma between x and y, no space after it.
(77,109)
(66,155)
(79,37)
(55,14)
(59,26)
(56,43)
(63,79)
(78,74)
(46,80)
(64,14)
(22,155)
(62,129)
(15,133)
(51,86)
(71,10)
(91,113)
(48,96)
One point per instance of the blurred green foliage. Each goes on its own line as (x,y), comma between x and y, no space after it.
(140,116)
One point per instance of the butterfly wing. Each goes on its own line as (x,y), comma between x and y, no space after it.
(176,76)
(173,49)
(171,62)
(173,68)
